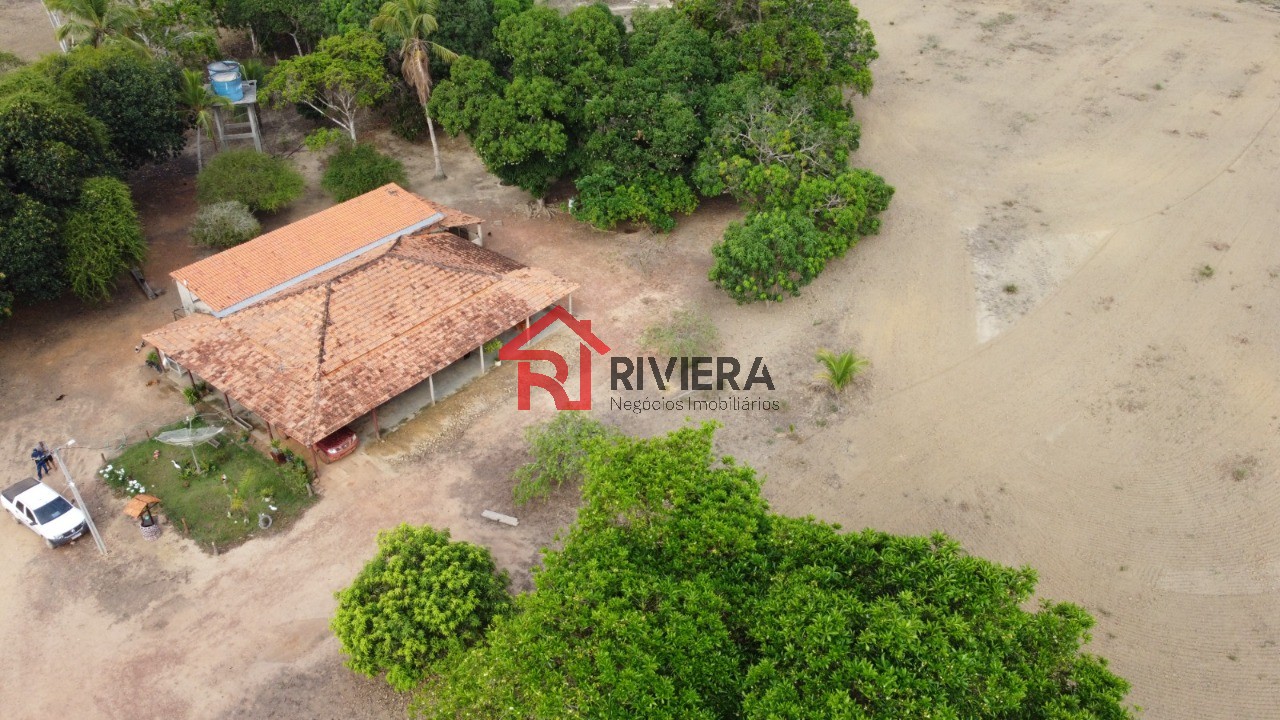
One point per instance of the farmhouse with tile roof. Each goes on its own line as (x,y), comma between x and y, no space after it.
(317,324)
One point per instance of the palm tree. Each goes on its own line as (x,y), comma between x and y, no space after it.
(94,21)
(839,369)
(413,21)
(200,103)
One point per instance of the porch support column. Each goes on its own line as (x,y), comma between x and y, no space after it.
(431,384)
(270,434)
(481,353)
(315,460)
(192,378)
(227,400)
(376,432)
(570,303)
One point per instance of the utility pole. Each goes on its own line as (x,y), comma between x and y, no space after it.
(93,529)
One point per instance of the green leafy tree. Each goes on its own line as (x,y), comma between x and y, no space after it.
(526,128)
(559,449)
(262,182)
(355,170)
(644,126)
(48,143)
(421,598)
(766,141)
(769,256)
(134,96)
(816,43)
(31,252)
(48,146)
(103,238)
(302,21)
(678,594)
(341,16)
(183,31)
(414,23)
(200,104)
(93,22)
(518,128)
(342,77)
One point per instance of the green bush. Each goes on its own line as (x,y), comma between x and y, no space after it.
(262,182)
(687,334)
(559,448)
(355,170)
(420,598)
(224,224)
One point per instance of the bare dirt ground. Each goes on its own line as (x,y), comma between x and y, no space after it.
(1111,422)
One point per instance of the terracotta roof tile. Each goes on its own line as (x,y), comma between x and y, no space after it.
(325,353)
(265,262)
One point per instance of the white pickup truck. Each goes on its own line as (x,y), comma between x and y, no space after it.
(48,514)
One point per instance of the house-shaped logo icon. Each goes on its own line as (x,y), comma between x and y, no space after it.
(527,378)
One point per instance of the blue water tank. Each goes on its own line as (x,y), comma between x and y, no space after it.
(224,77)
(221,66)
(228,85)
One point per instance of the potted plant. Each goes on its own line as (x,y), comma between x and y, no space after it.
(492,347)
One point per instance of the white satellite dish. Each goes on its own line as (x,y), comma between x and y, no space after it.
(189,437)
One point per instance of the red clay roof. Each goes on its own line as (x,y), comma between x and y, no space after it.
(332,348)
(277,257)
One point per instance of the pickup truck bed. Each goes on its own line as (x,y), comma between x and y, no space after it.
(18,488)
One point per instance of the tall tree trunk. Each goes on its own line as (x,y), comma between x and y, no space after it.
(199,156)
(435,148)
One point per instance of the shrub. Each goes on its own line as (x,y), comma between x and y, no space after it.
(839,369)
(420,598)
(262,182)
(358,169)
(559,448)
(687,334)
(224,224)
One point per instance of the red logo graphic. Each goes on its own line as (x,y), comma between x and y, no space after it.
(527,378)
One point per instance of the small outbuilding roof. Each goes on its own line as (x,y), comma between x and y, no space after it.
(331,348)
(282,256)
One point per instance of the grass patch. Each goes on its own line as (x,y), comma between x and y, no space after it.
(998,21)
(215,512)
(687,334)
(1206,271)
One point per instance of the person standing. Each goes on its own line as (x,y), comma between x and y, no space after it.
(42,458)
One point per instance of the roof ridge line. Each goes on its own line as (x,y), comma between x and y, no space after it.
(445,266)
(285,286)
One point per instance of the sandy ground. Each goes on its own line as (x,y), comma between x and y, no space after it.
(1055,382)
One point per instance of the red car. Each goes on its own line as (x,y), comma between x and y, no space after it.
(338,445)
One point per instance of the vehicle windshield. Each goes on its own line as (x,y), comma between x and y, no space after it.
(52,510)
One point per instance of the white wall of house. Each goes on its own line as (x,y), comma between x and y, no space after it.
(190,302)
